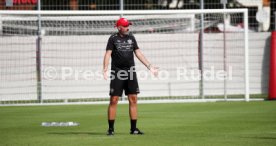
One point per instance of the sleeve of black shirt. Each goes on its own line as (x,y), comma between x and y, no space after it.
(135,45)
(110,44)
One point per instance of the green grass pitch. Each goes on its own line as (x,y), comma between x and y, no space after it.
(181,124)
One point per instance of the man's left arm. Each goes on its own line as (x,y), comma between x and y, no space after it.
(143,59)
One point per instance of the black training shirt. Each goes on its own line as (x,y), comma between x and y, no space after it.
(122,51)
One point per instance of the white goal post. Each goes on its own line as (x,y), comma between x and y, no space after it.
(50,64)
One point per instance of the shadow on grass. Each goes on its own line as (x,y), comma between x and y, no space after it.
(76,133)
(262,137)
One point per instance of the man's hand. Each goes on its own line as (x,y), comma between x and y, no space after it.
(105,63)
(153,70)
(105,74)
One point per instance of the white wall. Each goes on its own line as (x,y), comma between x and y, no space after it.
(168,51)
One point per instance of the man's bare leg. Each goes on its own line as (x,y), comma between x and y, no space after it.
(132,98)
(133,114)
(112,108)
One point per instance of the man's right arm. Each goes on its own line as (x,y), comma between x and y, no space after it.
(106,62)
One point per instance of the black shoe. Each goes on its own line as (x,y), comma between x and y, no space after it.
(110,132)
(136,132)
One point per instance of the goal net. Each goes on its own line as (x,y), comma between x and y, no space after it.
(56,56)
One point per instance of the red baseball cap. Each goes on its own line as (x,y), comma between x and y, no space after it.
(123,22)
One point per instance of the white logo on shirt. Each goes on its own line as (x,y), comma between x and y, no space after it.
(124,45)
(129,41)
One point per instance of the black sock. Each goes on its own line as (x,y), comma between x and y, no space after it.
(133,124)
(111,124)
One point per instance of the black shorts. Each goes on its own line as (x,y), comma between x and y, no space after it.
(128,83)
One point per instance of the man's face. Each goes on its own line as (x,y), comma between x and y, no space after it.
(123,30)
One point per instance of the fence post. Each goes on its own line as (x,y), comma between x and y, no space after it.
(121,7)
(38,55)
(201,67)
(272,71)
(224,2)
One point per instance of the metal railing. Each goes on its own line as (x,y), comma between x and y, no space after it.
(130,5)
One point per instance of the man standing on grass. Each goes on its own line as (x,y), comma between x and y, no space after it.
(120,47)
